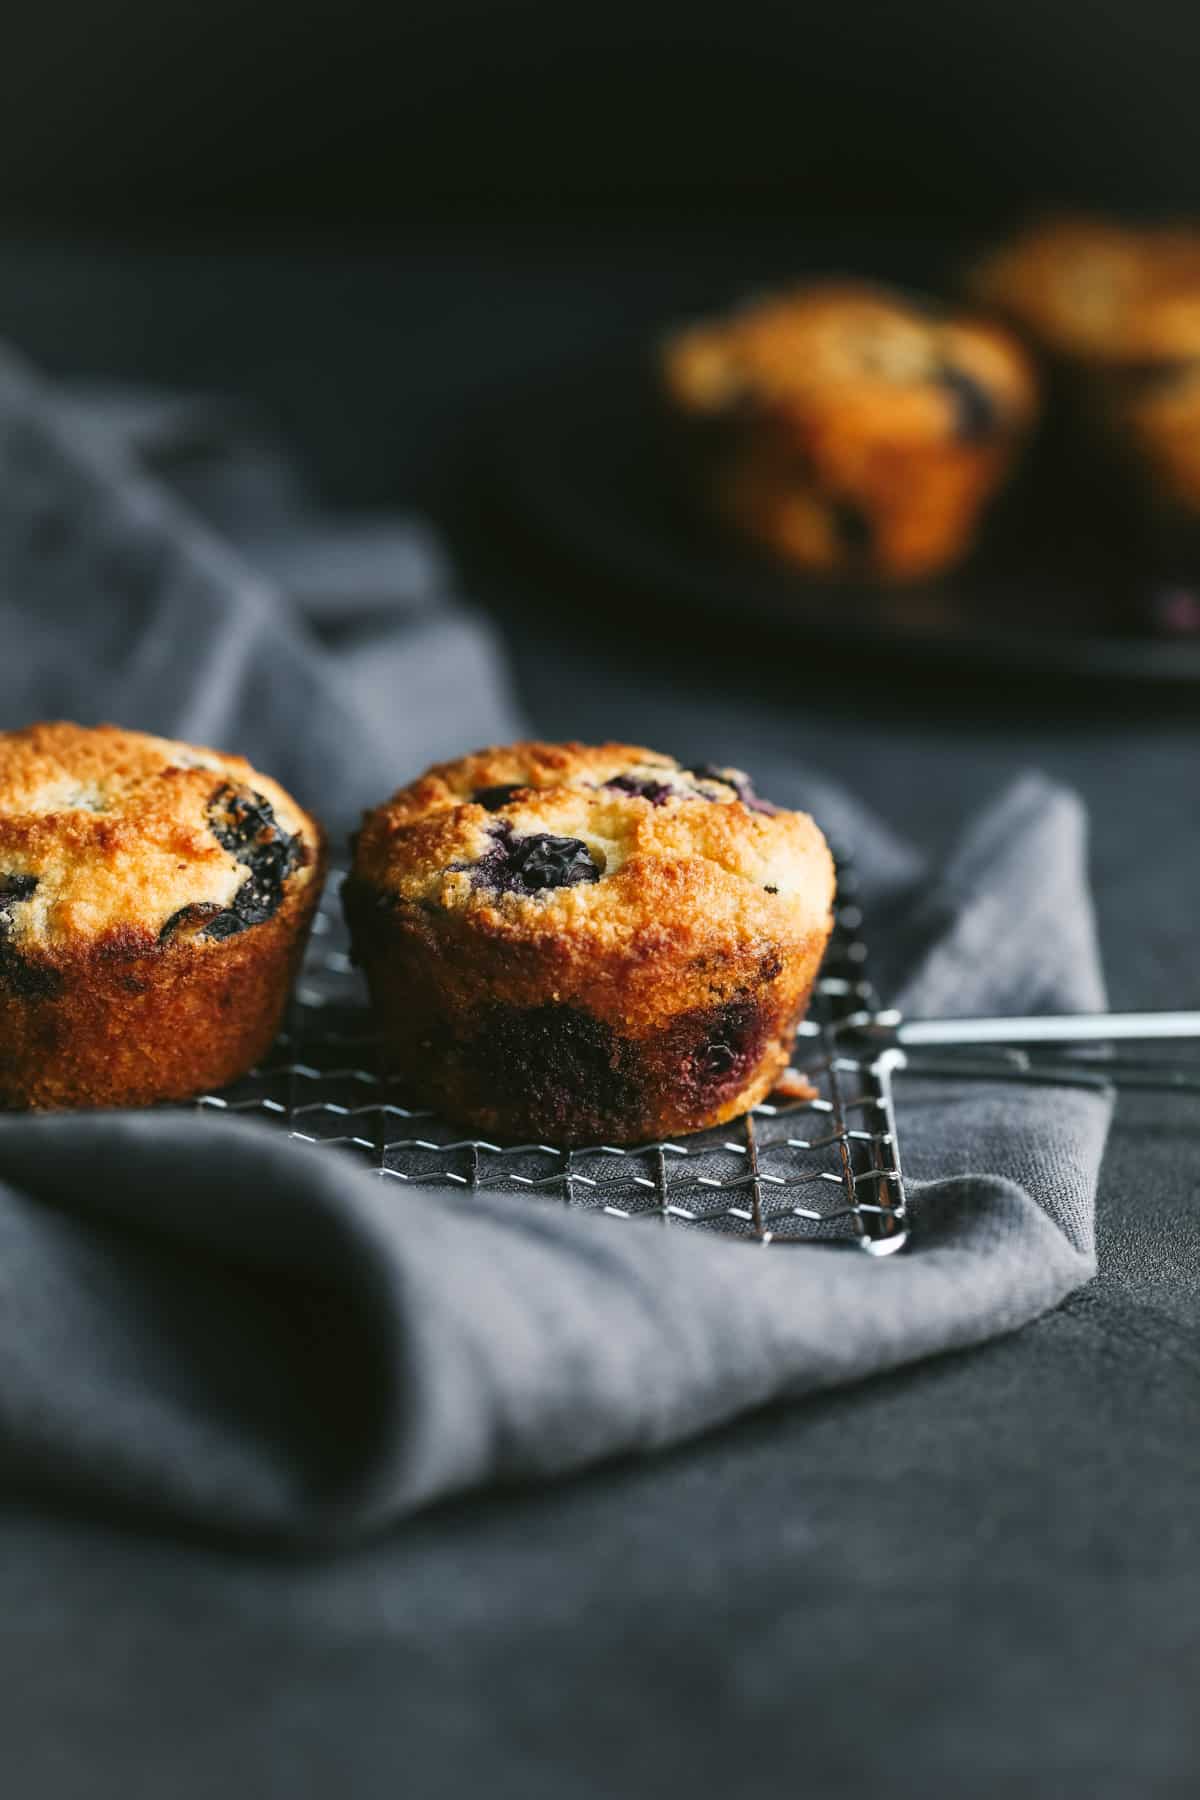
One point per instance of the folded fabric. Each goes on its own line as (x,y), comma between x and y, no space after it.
(160,569)
(205,1321)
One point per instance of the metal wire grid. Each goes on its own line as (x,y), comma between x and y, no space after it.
(822,1168)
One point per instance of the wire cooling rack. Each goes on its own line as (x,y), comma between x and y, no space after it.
(820,1168)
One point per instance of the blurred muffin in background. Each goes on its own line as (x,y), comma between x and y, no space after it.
(1098,293)
(1115,311)
(849,431)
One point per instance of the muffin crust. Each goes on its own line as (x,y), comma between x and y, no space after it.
(573,942)
(154,899)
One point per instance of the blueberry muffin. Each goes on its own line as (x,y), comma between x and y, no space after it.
(154,902)
(849,431)
(1096,292)
(579,944)
(1115,312)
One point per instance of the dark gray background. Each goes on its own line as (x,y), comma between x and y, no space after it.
(364,113)
(980,1576)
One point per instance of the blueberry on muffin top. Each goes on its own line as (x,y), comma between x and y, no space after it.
(602,841)
(532,863)
(116,837)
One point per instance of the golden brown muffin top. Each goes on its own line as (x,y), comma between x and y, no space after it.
(869,359)
(105,831)
(603,843)
(1099,291)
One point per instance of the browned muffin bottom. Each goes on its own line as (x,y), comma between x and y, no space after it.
(849,431)
(155,898)
(579,944)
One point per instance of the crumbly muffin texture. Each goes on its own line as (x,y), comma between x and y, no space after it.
(595,845)
(571,940)
(848,429)
(154,897)
(119,831)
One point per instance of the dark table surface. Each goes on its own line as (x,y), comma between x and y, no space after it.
(981,1575)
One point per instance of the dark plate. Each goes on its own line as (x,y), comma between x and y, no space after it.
(1060,586)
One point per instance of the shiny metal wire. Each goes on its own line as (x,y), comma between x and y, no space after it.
(820,1169)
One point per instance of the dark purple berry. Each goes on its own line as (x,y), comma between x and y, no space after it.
(493,798)
(852,527)
(741,784)
(710,772)
(229,922)
(570,1071)
(975,414)
(203,918)
(32,981)
(657,792)
(244,823)
(14,889)
(530,865)
(241,820)
(720,1046)
(717,1059)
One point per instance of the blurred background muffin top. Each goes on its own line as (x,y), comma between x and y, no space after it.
(1098,291)
(858,352)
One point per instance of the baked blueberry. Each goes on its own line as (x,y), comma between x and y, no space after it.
(14,889)
(975,412)
(18,973)
(852,525)
(245,823)
(656,792)
(532,864)
(202,919)
(739,781)
(493,798)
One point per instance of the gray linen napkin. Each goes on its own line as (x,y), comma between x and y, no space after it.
(209,1323)
(119,601)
